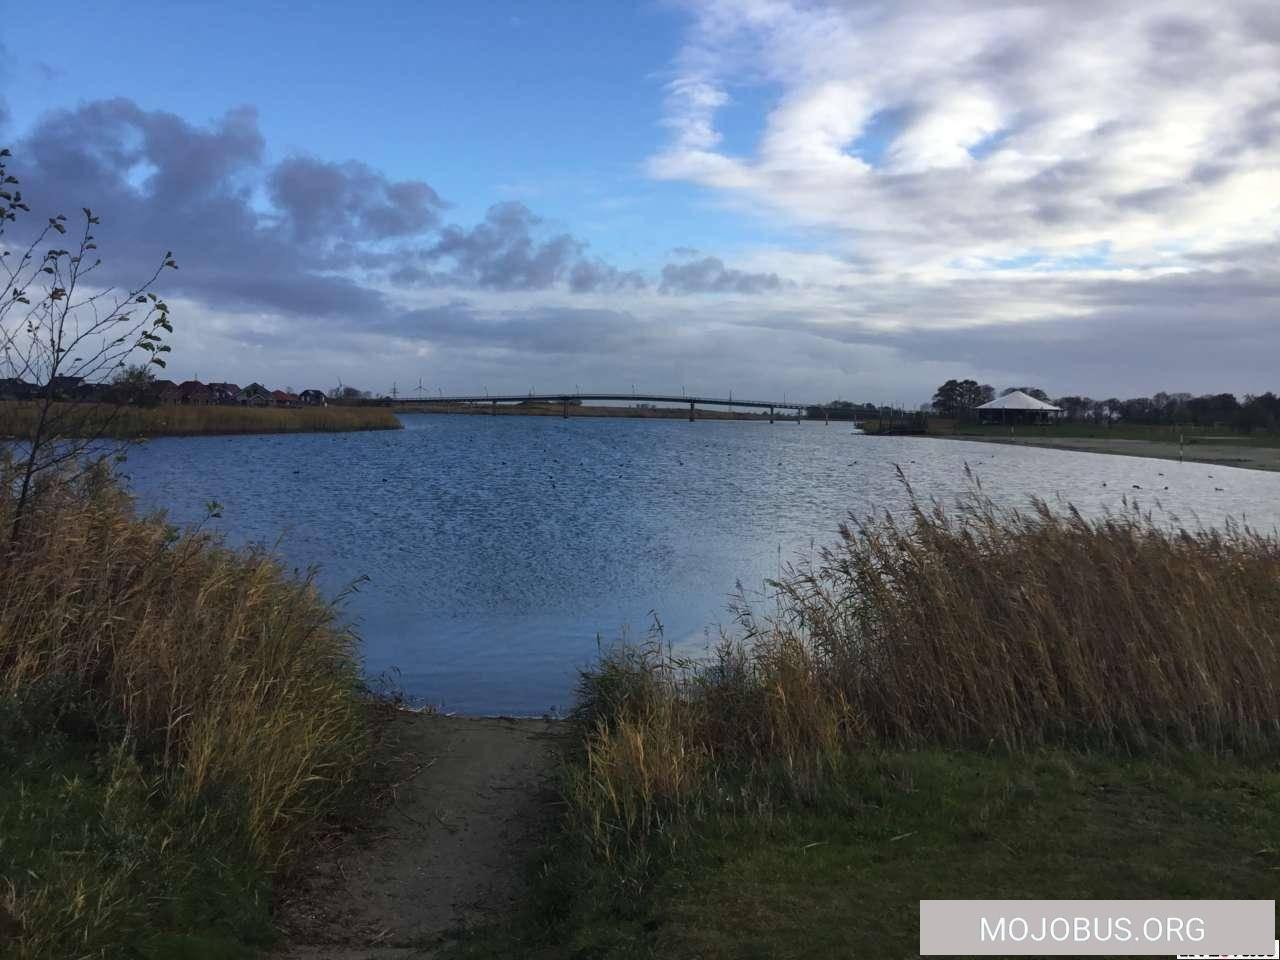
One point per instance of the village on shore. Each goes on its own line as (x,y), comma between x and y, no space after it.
(192,392)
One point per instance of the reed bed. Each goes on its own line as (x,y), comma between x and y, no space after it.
(18,419)
(970,628)
(212,687)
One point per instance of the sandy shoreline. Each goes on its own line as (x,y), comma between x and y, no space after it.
(1243,455)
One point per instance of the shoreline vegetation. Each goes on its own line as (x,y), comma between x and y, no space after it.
(580,410)
(977,702)
(177,719)
(1004,704)
(18,418)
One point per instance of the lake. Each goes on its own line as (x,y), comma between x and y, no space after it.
(499,550)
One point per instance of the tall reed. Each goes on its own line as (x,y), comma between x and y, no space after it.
(969,628)
(220,669)
(17,419)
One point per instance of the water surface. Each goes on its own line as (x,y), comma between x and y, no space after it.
(498,549)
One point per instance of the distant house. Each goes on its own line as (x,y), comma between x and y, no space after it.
(224,392)
(170,392)
(194,392)
(282,398)
(313,398)
(256,395)
(12,388)
(163,391)
(1018,407)
(92,392)
(66,387)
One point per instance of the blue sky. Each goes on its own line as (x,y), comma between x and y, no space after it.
(830,199)
(553,104)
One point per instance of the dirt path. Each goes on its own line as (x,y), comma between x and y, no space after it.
(446,855)
(1224,453)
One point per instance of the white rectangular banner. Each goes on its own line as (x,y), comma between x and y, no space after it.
(1044,928)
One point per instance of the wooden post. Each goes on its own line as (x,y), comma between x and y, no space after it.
(564,407)
(493,408)
(691,411)
(771,414)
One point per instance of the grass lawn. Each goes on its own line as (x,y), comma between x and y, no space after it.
(1119,431)
(844,876)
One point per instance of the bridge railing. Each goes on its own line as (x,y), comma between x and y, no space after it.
(605,397)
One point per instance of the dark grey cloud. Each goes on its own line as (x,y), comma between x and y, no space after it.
(350,200)
(502,253)
(1261,125)
(1176,36)
(1261,20)
(596,276)
(509,251)
(160,182)
(710,275)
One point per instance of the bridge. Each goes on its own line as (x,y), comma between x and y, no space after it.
(569,400)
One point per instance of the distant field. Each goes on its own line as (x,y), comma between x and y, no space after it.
(555,410)
(18,419)
(1119,431)
(1252,451)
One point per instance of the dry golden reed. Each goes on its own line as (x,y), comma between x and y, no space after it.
(222,670)
(974,627)
(17,419)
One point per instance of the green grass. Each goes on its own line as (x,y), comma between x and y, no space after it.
(101,863)
(844,874)
(1119,431)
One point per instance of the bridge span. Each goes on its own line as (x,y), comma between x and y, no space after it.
(568,400)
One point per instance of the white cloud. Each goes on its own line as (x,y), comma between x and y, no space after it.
(1039,126)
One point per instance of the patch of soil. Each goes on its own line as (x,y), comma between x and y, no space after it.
(445,855)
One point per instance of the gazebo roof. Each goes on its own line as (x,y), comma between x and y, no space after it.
(1017,400)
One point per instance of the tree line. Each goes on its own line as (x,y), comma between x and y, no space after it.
(959,398)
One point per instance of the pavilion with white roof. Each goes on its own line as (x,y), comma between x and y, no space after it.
(1018,407)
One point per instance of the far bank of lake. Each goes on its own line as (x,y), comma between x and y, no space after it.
(19,418)
(1224,451)
(636,412)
